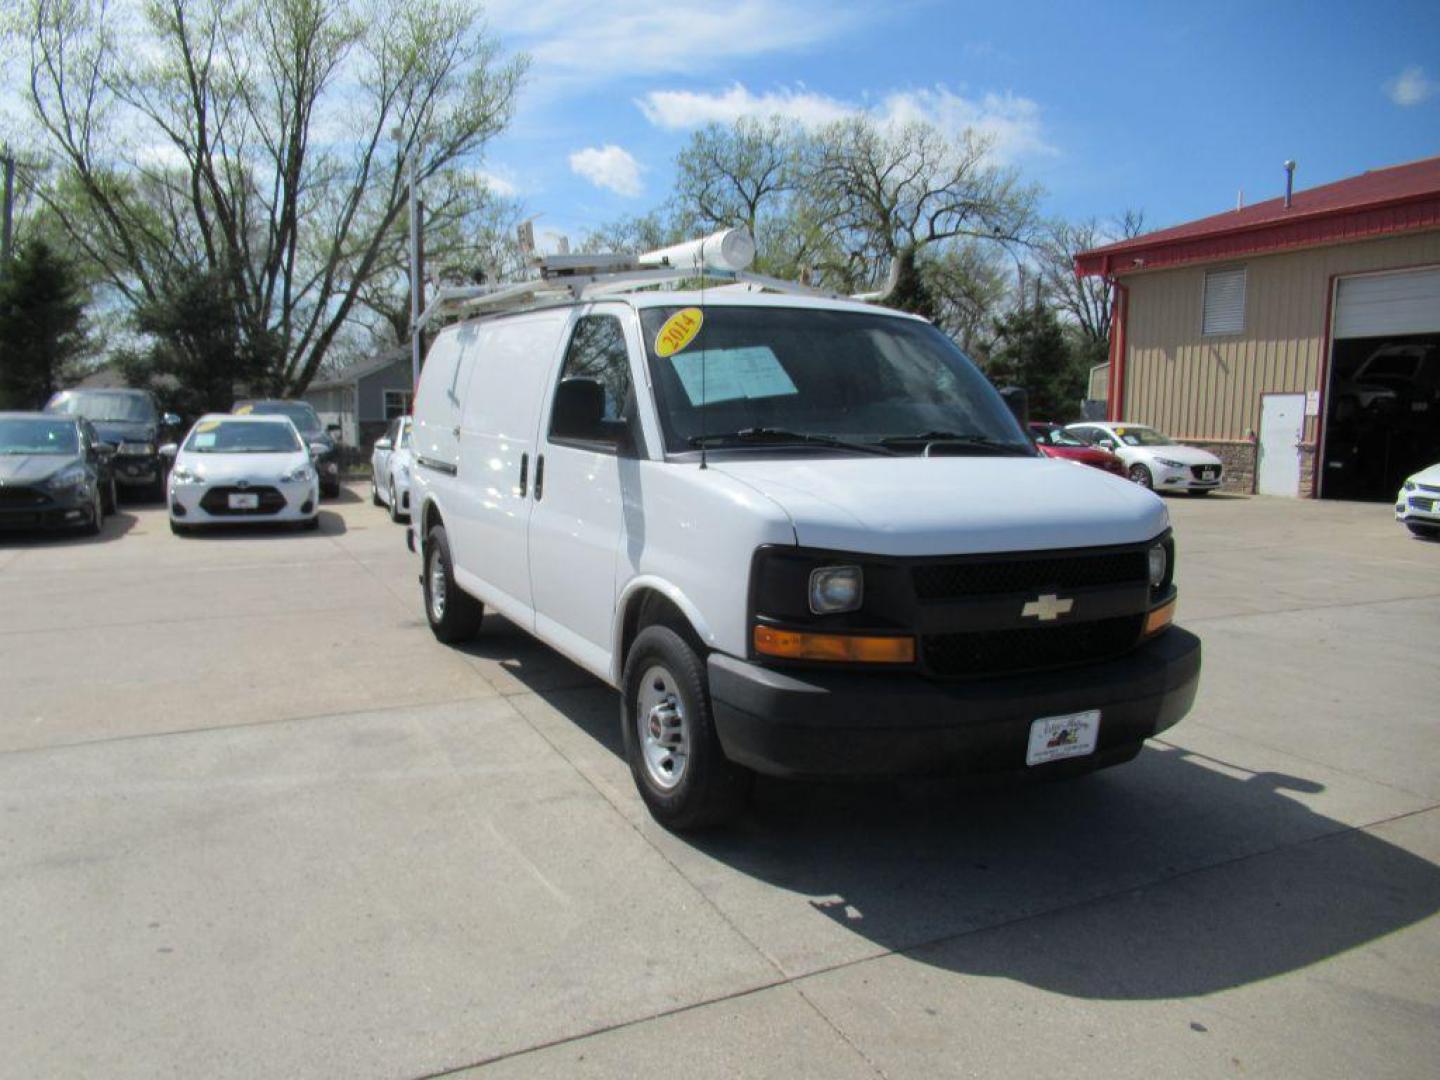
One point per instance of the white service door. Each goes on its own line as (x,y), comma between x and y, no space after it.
(1282,426)
(511,361)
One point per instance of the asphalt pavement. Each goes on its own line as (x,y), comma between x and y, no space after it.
(256,822)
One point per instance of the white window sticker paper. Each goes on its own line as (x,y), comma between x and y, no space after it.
(731,374)
(204,439)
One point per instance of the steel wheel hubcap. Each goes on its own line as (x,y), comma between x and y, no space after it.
(437,587)
(662,728)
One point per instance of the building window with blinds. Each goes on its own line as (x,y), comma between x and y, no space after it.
(1224,302)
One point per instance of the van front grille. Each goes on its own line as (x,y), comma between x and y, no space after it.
(1006,652)
(987,577)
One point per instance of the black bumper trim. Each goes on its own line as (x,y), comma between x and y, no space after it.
(849,723)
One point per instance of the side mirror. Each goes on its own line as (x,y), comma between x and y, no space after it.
(170,420)
(1018,402)
(580,411)
(169,450)
(384,443)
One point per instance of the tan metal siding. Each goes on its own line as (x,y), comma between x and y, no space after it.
(1200,387)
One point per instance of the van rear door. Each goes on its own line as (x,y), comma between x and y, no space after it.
(436,433)
(510,363)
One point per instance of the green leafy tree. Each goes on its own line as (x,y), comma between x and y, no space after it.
(1032,351)
(268,142)
(198,360)
(42,309)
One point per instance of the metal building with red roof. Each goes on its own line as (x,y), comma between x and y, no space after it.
(1298,337)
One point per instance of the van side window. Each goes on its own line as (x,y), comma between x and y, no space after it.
(598,357)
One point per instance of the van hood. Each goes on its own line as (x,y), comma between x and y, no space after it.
(907,506)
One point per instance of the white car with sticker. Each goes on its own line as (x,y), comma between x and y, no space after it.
(234,469)
(390,465)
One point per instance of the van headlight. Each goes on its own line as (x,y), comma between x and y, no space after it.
(1409,485)
(835,589)
(1159,563)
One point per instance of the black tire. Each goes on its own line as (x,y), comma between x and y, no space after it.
(375,499)
(395,514)
(331,491)
(110,497)
(710,789)
(96,523)
(1425,532)
(459,614)
(1140,474)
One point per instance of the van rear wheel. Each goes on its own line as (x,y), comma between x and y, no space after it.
(454,615)
(675,756)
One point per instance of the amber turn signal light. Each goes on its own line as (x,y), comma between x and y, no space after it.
(793,645)
(1160,618)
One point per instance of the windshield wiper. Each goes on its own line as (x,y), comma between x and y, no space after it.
(952,438)
(780,436)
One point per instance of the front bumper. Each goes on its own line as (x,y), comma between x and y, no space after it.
(1419,506)
(302,500)
(852,723)
(1178,480)
(134,471)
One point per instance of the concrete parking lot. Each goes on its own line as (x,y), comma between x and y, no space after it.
(256,822)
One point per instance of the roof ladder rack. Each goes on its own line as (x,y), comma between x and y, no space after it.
(725,254)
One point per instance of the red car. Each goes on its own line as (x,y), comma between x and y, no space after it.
(1055,442)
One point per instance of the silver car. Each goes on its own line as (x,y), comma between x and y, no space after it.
(390,465)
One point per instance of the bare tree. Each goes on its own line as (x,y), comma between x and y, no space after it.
(969,282)
(887,193)
(728,176)
(1084,300)
(262,141)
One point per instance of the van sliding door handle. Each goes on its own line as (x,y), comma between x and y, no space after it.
(524,472)
(539,476)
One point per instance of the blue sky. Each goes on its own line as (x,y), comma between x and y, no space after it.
(1169,109)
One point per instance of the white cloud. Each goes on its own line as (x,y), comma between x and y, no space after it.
(1410,87)
(580,42)
(500,186)
(1011,122)
(608,167)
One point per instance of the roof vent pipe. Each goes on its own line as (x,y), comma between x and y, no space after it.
(1289,182)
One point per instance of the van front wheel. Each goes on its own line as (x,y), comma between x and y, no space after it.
(454,615)
(670,741)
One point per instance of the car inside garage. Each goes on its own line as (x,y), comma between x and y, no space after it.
(1382,419)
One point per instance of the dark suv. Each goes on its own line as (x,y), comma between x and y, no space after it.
(322,444)
(131,421)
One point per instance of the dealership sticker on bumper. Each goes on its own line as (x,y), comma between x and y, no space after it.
(1056,737)
(244,502)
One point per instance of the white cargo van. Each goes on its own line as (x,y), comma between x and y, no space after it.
(800,535)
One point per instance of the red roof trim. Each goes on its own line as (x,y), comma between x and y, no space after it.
(1403,199)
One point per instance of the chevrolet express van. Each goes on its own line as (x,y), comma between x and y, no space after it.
(800,536)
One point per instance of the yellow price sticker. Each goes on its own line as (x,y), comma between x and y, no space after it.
(208,425)
(244,410)
(679,331)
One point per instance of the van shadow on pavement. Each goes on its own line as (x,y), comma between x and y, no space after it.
(1215,876)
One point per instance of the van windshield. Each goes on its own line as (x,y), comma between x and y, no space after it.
(771,375)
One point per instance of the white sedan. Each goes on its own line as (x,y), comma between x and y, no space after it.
(1418,504)
(1152,459)
(390,465)
(232,469)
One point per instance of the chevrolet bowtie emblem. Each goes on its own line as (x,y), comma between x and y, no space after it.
(1047,608)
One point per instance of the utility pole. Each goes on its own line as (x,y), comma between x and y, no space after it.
(417,279)
(9,218)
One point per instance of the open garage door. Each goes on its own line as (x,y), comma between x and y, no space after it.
(1383,408)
